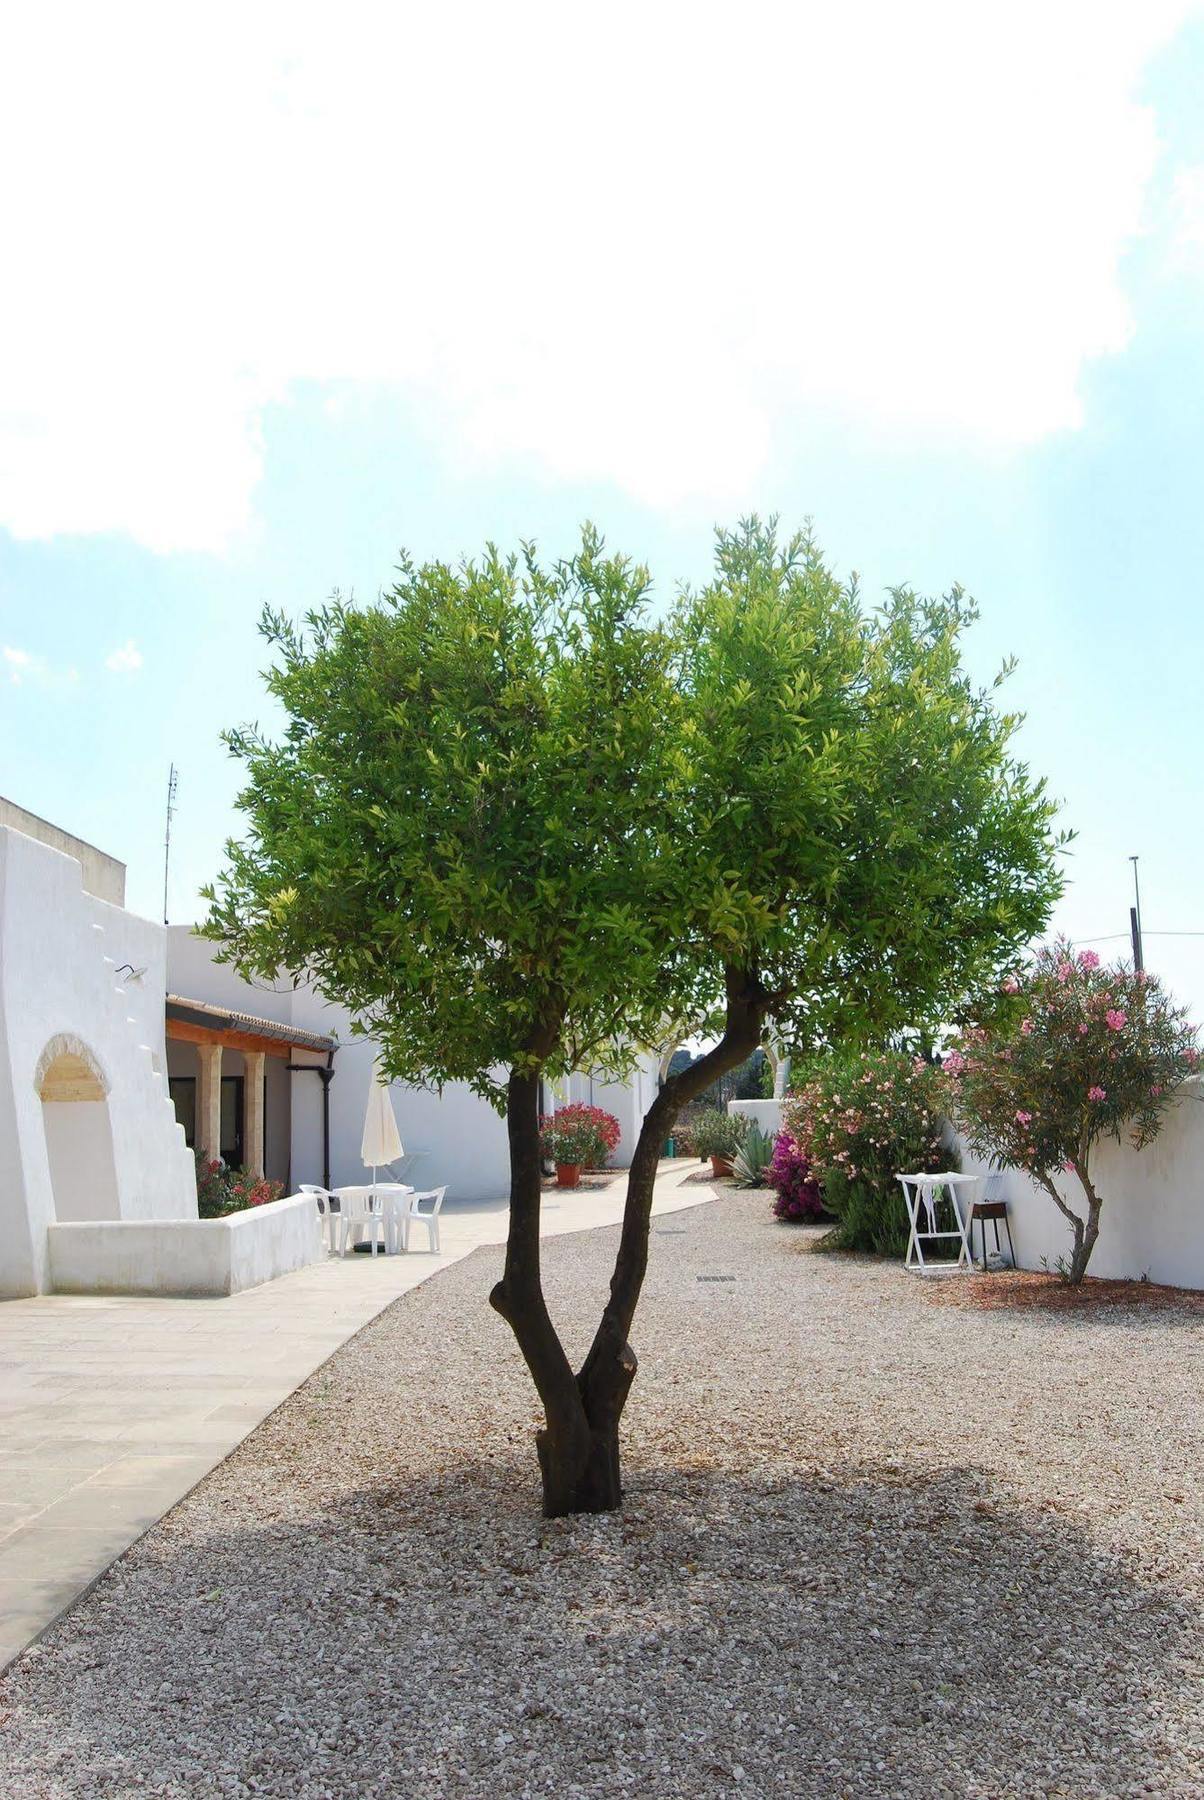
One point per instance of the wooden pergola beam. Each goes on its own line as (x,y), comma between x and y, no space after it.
(186,1033)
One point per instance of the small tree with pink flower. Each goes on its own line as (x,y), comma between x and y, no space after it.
(1080,1052)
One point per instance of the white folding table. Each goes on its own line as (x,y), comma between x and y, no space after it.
(921,1194)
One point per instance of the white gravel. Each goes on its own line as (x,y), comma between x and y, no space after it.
(872,1546)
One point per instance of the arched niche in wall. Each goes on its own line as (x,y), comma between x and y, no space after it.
(74,1091)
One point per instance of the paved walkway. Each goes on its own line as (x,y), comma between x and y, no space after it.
(112,1408)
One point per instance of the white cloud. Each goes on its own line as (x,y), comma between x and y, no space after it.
(1187,205)
(22,666)
(620,241)
(125,660)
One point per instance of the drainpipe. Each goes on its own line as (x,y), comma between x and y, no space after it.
(325,1076)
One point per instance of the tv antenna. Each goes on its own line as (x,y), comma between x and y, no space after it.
(171,808)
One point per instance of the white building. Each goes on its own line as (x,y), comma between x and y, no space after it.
(314,1080)
(88,1133)
(124,1046)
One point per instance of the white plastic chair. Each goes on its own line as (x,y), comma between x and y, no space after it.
(360,1210)
(413,1215)
(328,1209)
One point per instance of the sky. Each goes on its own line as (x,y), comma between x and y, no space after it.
(286,288)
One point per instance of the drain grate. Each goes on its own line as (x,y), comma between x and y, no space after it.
(669,1230)
(714,1278)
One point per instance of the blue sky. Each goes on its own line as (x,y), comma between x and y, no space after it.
(282,313)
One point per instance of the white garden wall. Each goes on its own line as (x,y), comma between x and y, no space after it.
(766,1113)
(187,1257)
(1153,1214)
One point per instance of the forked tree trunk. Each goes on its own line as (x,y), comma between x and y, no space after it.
(564,1443)
(578,1447)
(607,1374)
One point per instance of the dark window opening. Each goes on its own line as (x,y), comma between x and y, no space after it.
(182,1089)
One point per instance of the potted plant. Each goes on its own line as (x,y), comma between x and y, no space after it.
(719,1135)
(575,1138)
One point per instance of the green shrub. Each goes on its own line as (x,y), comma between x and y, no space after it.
(718,1133)
(862,1120)
(753,1158)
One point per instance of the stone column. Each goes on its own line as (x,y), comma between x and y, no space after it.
(254,1063)
(209,1100)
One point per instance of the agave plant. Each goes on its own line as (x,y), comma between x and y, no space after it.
(750,1160)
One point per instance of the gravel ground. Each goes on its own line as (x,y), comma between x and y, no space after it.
(871,1546)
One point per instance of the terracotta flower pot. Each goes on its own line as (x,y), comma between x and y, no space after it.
(568,1174)
(720,1165)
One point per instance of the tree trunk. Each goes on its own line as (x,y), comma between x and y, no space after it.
(606,1376)
(564,1446)
(578,1448)
(1087,1231)
(1084,1232)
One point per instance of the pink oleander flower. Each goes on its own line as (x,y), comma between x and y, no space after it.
(1011,984)
(1191,1058)
(1026,1027)
(1065,971)
(1115,1019)
(1097,1093)
(1024,1118)
(1082,1030)
(955,1062)
(1088,959)
(1156,1090)
(1070,1165)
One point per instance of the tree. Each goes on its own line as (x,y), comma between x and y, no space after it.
(1082,1052)
(458,837)
(518,827)
(862,852)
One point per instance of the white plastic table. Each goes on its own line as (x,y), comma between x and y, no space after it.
(921,1193)
(385,1196)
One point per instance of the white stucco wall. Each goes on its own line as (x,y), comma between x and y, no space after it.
(101,873)
(767,1113)
(197,1257)
(627,1100)
(61,952)
(453,1139)
(1153,1214)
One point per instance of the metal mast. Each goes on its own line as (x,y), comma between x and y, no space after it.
(171,807)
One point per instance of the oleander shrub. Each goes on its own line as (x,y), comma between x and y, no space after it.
(579,1134)
(862,1119)
(1077,1052)
(221,1190)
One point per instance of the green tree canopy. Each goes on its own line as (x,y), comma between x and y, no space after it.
(458,833)
(517,825)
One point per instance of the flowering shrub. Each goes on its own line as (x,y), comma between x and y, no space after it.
(220,1190)
(862,1120)
(799,1195)
(579,1134)
(1087,1052)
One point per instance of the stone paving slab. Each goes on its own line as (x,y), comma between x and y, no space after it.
(113,1407)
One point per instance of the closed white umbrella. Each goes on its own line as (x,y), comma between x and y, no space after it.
(381,1142)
